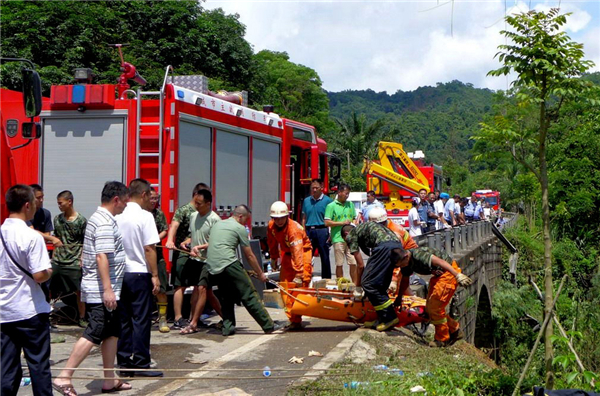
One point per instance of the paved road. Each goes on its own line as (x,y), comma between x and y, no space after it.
(249,348)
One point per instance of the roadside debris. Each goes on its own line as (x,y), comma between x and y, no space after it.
(315,353)
(296,360)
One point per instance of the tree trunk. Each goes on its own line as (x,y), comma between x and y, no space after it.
(548,350)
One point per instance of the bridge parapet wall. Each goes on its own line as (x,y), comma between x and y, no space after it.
(478,253)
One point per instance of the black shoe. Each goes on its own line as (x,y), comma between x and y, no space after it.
(125,374)
(147,373)
(180,323)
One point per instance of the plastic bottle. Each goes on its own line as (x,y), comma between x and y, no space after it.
(269,268)
(25,381)
(267,371)
(397,372)
(356,385)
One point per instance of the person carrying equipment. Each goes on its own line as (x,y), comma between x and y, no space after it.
(385,251)
(379,215)
(289,245)
(442,285)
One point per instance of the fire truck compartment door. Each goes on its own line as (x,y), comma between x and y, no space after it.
(195,143)
(81,154)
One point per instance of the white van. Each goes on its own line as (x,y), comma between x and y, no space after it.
(357,198)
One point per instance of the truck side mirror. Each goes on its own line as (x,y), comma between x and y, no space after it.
(32,94)
(31,130)
(448,182)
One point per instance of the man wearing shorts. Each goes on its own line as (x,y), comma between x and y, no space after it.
(69,228)
(179,232)
(103,271)
(339,213)
(201,223)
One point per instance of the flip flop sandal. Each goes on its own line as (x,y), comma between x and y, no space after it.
(188,330)
(66,390)
(117,388)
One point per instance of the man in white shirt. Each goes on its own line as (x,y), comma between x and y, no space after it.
(140,282)
(103,264)
(414,222)
(23,307)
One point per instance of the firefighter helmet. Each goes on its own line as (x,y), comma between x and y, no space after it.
(279,209)
(378,215)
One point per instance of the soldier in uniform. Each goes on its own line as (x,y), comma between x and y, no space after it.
(69,228)
(442,285)
(379,215)
(287,241)
(385,250)
(161,226)
(179,232)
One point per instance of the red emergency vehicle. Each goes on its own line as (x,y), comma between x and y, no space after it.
(490,196)
(175,137)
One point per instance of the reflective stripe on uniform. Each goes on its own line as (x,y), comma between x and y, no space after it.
(437,322)
(384,305)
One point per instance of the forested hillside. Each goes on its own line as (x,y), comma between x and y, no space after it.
(438,120)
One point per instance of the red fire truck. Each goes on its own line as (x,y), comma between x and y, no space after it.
(490,196)
(175,137)
(396,177)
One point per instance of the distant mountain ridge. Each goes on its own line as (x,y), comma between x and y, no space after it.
(438,120)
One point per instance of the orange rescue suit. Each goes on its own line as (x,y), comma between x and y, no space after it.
(407,243)
(291,244)
(441,290)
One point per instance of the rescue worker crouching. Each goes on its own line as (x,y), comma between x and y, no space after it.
(379,215)
(289,244)
(385,251)
(442,285)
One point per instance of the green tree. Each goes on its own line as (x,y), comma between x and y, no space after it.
(547,65)
(295,90)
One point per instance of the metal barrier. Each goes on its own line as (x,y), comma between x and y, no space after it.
(457,239)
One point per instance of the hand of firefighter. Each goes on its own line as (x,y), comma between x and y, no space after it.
(393,288)
(358,293)
(464,280)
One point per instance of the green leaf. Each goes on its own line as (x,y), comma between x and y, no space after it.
(571,377)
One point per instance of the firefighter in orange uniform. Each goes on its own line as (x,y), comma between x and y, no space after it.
(287,240)
(379,215)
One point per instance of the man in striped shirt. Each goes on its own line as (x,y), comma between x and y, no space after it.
(103,271)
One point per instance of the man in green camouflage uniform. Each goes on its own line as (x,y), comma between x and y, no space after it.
(385,250)
(182,269)
(162,227)
(69,228)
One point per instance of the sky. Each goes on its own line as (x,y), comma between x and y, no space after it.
(399,45)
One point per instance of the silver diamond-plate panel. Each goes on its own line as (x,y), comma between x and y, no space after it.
(194,82)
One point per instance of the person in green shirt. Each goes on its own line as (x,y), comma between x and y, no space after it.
(69,228)
(229,275)
(179,232)
(339,213)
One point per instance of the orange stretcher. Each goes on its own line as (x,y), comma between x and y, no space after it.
(341,306)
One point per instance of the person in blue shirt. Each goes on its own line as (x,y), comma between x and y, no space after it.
(371,203)
(313,213)
(470,208)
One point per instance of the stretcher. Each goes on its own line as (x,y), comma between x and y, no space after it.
(341,306)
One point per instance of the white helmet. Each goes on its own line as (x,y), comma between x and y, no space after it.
(279,209)
(378,215)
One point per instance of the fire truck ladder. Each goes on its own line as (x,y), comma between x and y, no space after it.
(148,164)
